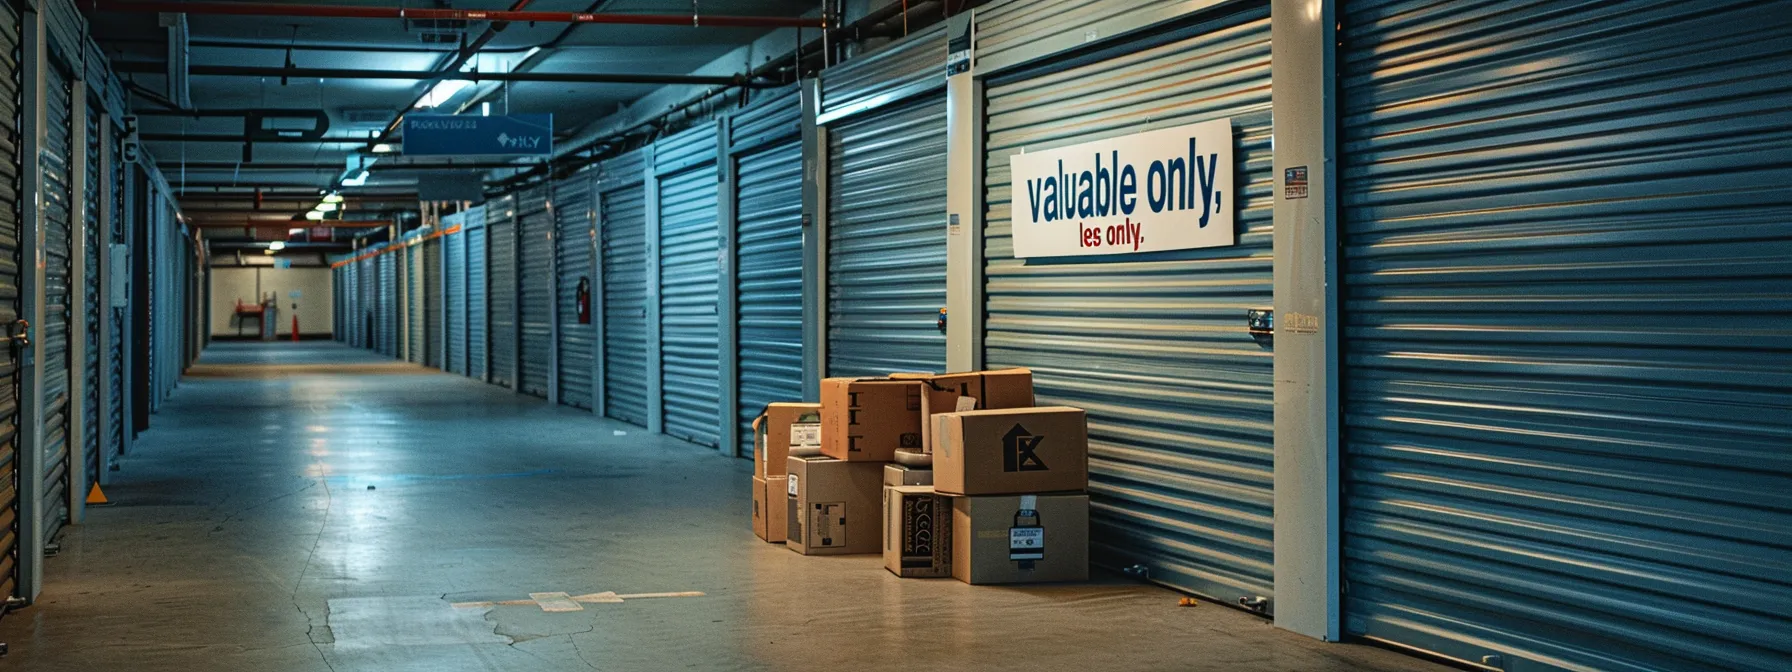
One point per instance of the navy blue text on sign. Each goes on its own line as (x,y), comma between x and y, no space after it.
(457,135)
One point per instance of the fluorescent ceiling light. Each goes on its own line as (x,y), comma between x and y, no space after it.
(485,109)
(314,216)
(326,207)
(276,246)
(442,92)
(333,198)
(382,148)
(530,54)
(294,232)
(356,181)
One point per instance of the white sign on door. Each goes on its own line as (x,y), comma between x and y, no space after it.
(1168,189)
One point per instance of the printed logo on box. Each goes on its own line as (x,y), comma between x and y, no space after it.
(1020,451)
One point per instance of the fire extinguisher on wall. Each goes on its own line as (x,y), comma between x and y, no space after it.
(584,300)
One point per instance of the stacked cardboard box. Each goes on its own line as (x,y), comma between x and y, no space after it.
(1003,503)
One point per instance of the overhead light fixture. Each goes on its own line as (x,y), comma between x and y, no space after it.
(294,232)
(333,198)
(315,216)
(269,252)
(530,54)
(485,109)
(442,92)
(383,148)
(356,181)
(276,246)
(326,207)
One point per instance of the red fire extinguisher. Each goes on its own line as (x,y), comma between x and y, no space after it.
(584,300)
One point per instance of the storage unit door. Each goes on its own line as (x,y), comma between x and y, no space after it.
(10,308)
(574,264)
(478,295)
(886,241)
(414,300)
(624,234)
(55,367)
(1566,317)
(454,299)
(432,302)
(389,301)
(690,362)
(1154,346)
(117,316)
(91,228)
(367,279)
(501,300)
(536,276)
(769,280)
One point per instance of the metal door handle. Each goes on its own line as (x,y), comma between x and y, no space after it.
(21,334)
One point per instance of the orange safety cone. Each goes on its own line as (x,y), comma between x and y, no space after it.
(96,497)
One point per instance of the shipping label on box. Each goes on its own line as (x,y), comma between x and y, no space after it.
(868,419)
(1011,451)
(1020,538)
(772,434)
(917,532)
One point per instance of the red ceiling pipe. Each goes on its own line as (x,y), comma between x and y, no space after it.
(348,12)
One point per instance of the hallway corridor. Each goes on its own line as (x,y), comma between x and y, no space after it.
(314,507)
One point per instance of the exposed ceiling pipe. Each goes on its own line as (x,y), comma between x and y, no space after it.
(471,75)
(448,65)
(386,164)
(693,20)
(309,46)
(225,137)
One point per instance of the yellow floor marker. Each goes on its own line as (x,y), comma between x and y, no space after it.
(95,497)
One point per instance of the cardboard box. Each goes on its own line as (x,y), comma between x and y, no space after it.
(773,435)
(867,419)
(760,512)
(770,516)
(1011,451)
(899,474)
(972,391)
(833,507)
(1020,538)
(917,532)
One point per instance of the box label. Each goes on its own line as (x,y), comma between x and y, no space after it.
(966,404)
(1026,543)
(805,435)
(827,524)
(791,487)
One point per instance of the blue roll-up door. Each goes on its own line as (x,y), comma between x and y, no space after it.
(690,362)
(500,222)
(413,303)
(91,230)
(1155,347)
(367,281)
(769,258)
(390,306)
(535,278)
(432,302)
(574,254)
(887,240)
(1566,323)
(624,235)
(478,293)
(454,292)
(10,308)
(118,235)
(54,365)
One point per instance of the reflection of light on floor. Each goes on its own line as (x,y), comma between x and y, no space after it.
(317,429)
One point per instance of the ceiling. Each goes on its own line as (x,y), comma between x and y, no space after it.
(359,109)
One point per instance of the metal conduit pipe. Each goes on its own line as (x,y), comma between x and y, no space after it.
(694,20)
(471,75)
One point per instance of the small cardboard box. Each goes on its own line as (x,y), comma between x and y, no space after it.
(902,474)
(1020,538)
(834,507)
(773,435)
(769,508)
(972,391)
(917,532)
(867,419)
(1011,451)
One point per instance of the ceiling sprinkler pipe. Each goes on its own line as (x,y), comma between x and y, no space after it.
(428,14)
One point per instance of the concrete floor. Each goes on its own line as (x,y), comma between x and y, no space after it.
(310,507)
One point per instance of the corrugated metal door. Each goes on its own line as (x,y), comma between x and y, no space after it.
(10,264)
(432,302)
(454,295)
(690,362)
(624,235)
(367,280)
(501,299)
(535,269)
(388,296)
(887,240)
(413,299)
(1566,323)
(1180,397)
(91,226)
(54,364)
(575,218)
(478,294)
(120,206)
(769,259)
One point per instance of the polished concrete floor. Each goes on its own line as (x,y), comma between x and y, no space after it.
(310,507)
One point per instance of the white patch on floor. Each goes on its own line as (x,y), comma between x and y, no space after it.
(376,622)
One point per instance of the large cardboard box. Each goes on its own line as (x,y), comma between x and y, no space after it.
(901,474)
(1011,451)
(769,508)
(917,532)
(834,507)
(773,435)
(972,391)
(867,419)
(1020,538)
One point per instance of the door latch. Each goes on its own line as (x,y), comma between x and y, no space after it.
(21,334)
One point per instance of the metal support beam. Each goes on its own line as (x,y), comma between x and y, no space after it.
(727,279)
(597,294)
(554,244)
(1303,39)
(109,203)
(656,411)
(692,20)
(468,75)
(964,208)
(77,304)
(34,57)
(815,242)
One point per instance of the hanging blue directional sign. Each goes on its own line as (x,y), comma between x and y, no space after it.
(458,135)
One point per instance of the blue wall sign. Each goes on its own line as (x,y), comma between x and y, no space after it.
(467,135)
